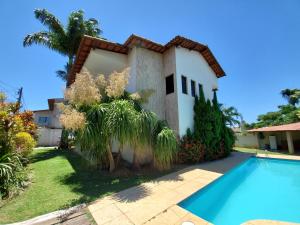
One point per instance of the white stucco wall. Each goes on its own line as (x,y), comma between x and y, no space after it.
(105,62)
(172,98)
(249,140)
(149,76)
(192,65)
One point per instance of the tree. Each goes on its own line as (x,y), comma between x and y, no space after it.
(210,129)
(231,116)
(285,114)
(64,40)
(98,118)
(291,95)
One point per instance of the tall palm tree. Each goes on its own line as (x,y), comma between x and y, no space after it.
(64,40)
(291,95)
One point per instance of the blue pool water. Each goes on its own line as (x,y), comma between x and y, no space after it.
(256,189)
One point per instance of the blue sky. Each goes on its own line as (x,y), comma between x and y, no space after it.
(256,42)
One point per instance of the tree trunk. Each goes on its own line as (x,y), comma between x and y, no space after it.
(111,160)
(135,162)
(119,156)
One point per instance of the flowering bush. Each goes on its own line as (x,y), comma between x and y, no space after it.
(83,91)
(71,119)
(117,83)
(16,136)
(191,150)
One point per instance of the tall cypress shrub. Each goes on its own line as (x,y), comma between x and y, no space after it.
(200,120)
(210,127)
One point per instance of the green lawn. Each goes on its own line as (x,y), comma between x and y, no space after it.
(62,179)
(259,151)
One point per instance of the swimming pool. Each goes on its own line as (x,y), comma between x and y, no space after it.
(258,188)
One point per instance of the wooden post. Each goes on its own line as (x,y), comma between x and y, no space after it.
(289,139)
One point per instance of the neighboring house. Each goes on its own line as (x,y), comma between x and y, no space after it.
(49,127)
(283,137)
(175,71)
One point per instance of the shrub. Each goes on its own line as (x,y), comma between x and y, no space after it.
(24,143)
(12,174)
(191,150)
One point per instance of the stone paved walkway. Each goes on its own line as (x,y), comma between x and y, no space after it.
(155,202)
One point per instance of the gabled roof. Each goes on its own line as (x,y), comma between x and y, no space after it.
(51,102)
(286,127)
(87,43)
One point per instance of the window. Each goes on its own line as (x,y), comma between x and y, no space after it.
(169,84)
(184,84)
(200,86)
(43,120)
(193,88)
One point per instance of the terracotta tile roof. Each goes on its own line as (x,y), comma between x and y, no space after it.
(286,127)
(87,43)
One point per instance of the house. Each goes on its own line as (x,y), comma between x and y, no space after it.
(281,137)
(47,120)
(174,71)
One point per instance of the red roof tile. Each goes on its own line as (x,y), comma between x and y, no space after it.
(286,127)
(87,43)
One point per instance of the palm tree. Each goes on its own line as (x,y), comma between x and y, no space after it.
(231,116)
(164,145)
(95,138)
(64,40)
(122,123)
(291,95)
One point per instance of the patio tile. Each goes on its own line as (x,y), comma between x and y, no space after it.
(100,203)
(120,220)
(154,203)
(191,218)
(106,214)
(180,212)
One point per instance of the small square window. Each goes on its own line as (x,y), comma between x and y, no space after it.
(184,84)
(170,84)
(43,120)
(193,88)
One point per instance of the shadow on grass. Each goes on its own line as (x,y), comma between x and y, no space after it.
(91,183)
(40,155)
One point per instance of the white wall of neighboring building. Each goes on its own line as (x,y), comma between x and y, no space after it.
(48,136)
(192,65)
(249,140)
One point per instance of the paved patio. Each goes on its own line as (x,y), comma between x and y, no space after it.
(155,202)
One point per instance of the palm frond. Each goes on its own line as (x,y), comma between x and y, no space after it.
(42,37)
(165,148)
(49,20)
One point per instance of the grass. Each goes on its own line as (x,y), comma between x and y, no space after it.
(62,179)
(259,151)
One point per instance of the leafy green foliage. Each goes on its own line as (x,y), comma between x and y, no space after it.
(191,150)
(291,95)
(24,143)
(212,139)
(165,147)
(286,114)
(17,132)
(12,174)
